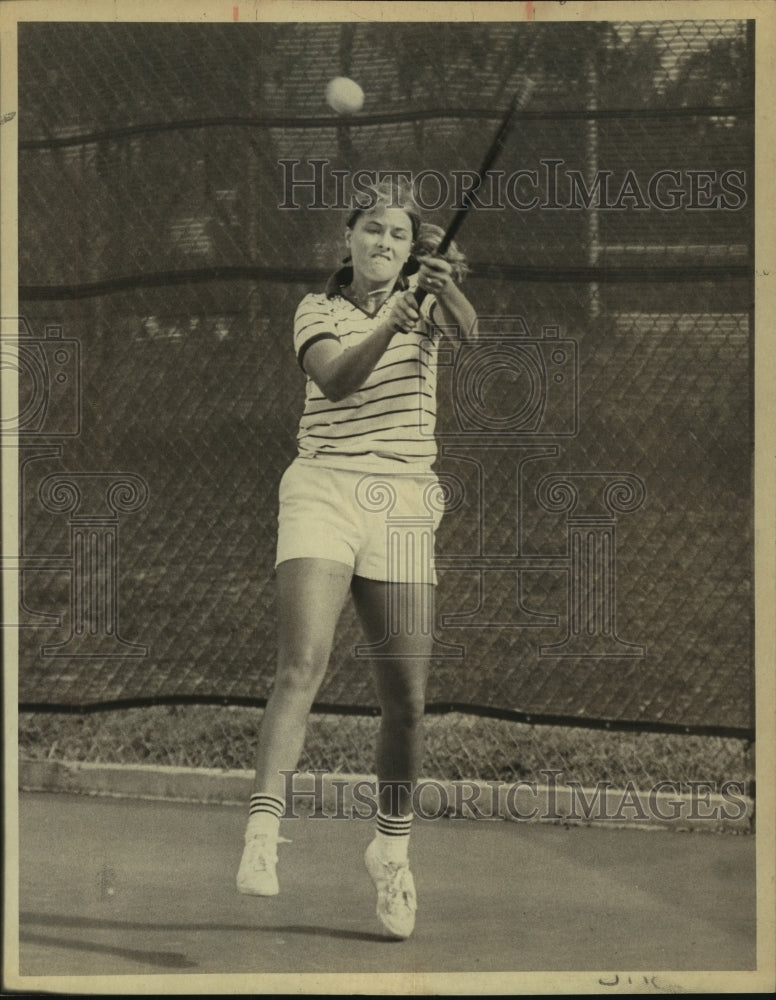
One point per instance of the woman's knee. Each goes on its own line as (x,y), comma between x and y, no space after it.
(300,672)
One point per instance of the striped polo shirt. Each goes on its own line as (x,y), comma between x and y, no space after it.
(388,424)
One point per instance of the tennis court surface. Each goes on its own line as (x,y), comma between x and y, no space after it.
(128,887)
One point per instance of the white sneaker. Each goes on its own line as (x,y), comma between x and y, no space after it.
(396,900)
(257,875)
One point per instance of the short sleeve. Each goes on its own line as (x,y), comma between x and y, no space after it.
(313,322)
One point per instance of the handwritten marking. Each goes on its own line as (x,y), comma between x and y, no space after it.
(652,982)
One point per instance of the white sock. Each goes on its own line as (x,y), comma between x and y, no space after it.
(264,816)
(393,836)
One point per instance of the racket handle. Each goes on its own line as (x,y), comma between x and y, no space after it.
(420,295)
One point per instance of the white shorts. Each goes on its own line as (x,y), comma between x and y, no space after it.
(381,525)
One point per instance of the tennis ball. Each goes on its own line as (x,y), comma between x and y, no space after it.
(344,95)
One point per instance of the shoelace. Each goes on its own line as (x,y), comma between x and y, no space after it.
(396,880)
(260,858)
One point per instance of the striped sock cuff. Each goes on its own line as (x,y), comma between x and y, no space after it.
(394,826)
(270,805)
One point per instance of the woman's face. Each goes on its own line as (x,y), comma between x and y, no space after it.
(380,243)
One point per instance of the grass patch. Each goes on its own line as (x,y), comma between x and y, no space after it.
(457,746)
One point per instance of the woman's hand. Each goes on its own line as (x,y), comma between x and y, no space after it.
(455,312)
(435,276)
(404,313)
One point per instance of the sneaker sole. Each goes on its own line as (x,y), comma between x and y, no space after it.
(249,891)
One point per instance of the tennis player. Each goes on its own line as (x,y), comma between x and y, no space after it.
(368,351)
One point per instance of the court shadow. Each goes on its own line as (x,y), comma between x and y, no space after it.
(66,920)
(333,932)
(162,959)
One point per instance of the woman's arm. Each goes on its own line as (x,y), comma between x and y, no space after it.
(339,372)
(435,276)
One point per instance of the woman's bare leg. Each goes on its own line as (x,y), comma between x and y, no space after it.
(310,596)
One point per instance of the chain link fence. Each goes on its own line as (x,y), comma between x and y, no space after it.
(459,746)
(182,186)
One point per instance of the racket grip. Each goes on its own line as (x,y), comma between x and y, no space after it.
(420,295)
